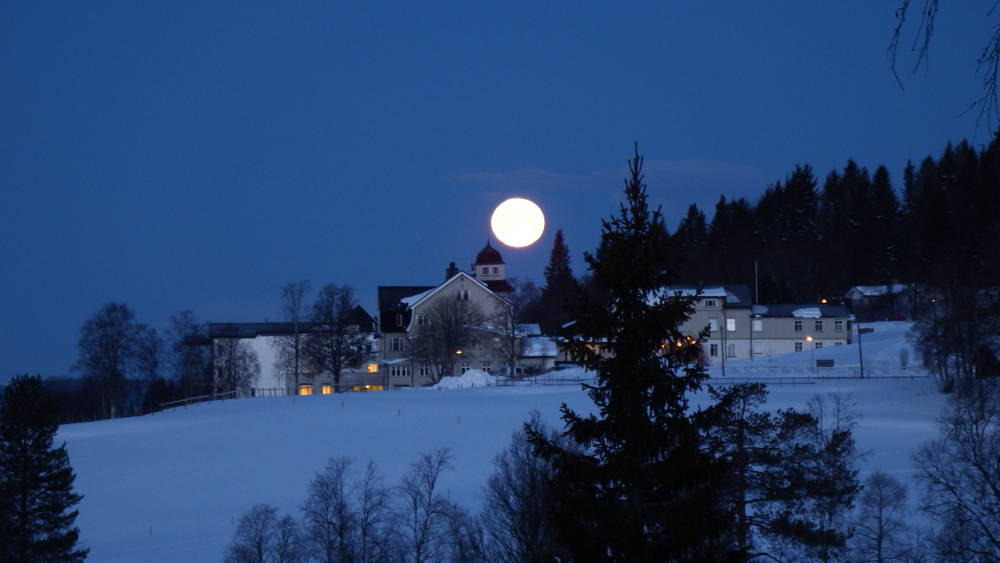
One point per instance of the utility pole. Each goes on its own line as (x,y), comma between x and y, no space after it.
(861,358)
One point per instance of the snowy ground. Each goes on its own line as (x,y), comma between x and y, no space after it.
(169,486)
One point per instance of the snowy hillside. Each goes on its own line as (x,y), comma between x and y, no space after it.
(169,486)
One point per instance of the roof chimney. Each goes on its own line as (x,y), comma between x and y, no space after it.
(450,271)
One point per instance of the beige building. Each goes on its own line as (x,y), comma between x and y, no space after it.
(738,329)
(406,311)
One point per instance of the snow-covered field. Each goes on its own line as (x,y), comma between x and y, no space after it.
(169,486)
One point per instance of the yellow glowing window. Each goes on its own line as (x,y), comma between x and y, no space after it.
(372,368)
(327,389)
(368,388)
(305,389)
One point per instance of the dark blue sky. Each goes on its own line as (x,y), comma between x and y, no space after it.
(173,156)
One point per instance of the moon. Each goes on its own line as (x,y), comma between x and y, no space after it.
(518,222)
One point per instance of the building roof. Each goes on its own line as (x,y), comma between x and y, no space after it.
(877,290)
(488,255)
(800,311)
(499,286)
(359,317)
(737,296)
(391,305)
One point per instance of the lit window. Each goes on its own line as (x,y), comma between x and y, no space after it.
(798,326)
(368,388)
(372,368)
(305,389)
(327,389)
(713,350)
(731,325)
(819,326)
(838,326)
(713,325)
(758,325)
(711,303)
(798,346)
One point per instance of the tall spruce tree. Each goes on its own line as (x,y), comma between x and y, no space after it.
(641,484)
(36,480)
(560,286)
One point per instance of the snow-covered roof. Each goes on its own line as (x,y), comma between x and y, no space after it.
(735,295)
(807,313)
(878,290)
(529,329)
(409,301)
(538,347)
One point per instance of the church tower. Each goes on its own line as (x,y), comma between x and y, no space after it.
(490,269)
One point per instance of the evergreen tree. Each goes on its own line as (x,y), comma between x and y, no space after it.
(641,485)
(692,239)
(36,480)
(560,286)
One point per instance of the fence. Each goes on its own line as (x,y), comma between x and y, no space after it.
(197,399)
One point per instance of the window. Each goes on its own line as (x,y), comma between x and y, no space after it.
(711,303)
(372,368)
(817,345)
(713,325)
(327,389)
(731,325)
(758,325)
(496,270)
(424,371)
(487,367)
(484,270)
(798,346)
(838,343)
(466,367)
(399,371)
(838,326)
(758,350)
(463,295)
(422,320)
(305,389)
(819,326)
(713,350)
(395,344)
(730,350)
(798,326)
(368,388)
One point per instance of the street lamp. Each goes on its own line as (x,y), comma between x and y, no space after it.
(812,351)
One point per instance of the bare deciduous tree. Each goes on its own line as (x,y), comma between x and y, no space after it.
(261,537)
(988,62)
(328,514)
(449,329)
(424,511)
(336,341)
(879,534)
(290,347)
(236,366)
(960,472)
(107,349)
(515,522)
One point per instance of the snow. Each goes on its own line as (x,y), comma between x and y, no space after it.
(879,290)
(807,313)
(170,486)
(539,347)
(411,300)
(469,379)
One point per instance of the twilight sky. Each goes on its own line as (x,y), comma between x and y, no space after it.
(181,156)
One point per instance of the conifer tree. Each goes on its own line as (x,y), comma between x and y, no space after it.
(36,480)
(560,285)
(641,485)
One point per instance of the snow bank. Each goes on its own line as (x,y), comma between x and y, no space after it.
(469,379)
(807,313)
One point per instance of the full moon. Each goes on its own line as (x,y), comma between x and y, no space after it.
(517,222)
